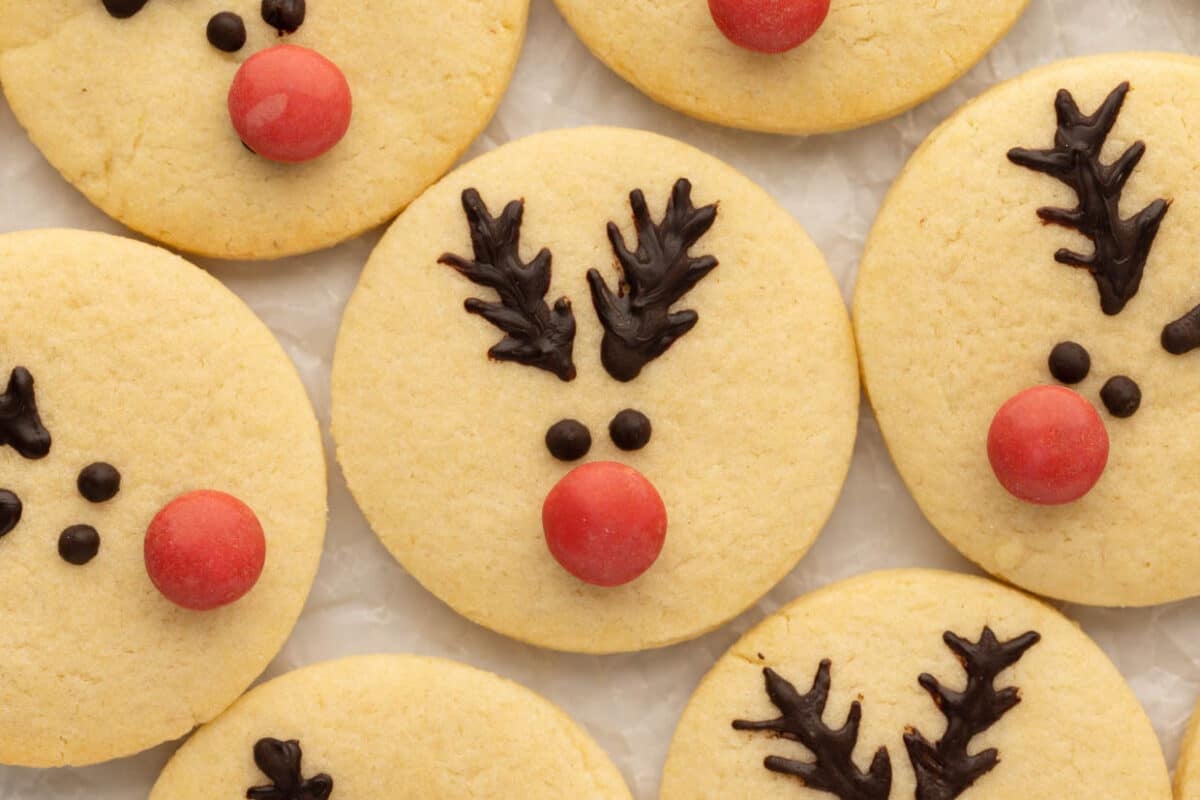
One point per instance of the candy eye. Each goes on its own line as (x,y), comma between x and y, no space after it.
(285,16)
(10,511)
(79,544)
(568,440)
(99,482)
(1069,362)
(630,430)
(227,32)
(1122,396)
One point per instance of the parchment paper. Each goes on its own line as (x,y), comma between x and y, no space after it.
(364,602)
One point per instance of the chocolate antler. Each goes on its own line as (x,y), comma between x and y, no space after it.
(638,323)
(1122,245)
(834,770)
(280,761)
(945,770)
(20,426)
(536,335)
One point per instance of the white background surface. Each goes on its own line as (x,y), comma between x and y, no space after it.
(364,602)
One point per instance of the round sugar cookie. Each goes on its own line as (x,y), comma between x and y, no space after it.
(1028,705)
(962,301)
(133,110)
(750,411)
(375,726)
(870,60)
(121,354)
(1187,770)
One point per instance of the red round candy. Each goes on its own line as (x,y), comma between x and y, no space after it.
(768,26)
(290,103)
(204,549)
(605,523)
(1048,445)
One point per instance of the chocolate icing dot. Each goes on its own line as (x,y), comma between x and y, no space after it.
(99,482)
(123,9)
(10,511)
(630,430)
(1069,362)
(1121,396)
(227,32)
(79,544)
(568,440)
(285,16)
(1122,246)
(20,425)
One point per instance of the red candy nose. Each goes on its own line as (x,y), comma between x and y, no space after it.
(290,103)
(604,523)
(1047,445)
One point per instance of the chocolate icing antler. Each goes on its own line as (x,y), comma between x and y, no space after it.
(537,335)
(945,769)
(834,770)
(1121,245)
(20,426)
(638,323)
(280,761)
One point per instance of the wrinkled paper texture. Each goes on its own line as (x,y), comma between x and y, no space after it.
(364,602)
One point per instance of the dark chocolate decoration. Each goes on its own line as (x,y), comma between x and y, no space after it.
(79,544)
(834,770)
(227,32)
(20,426)
(568,440)
(10,511)
(1069,362)
(630,430)
(536,335)
(1182,335)
(945,769)
(123,9)
(638,323)
(1121,396)
(99,482)
(285,16)
(280,761)
(1121,245)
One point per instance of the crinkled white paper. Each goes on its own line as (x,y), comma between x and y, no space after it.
(364,602)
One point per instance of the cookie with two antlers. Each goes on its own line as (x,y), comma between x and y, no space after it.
(639,421)
(1025,316)
(255,128)
(915,684)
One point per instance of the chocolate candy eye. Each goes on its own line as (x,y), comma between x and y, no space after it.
(99,482)
(123,9)
(568,440)
(79,544)
(227,32)
(284,16)
(10,511)
(630,430)
(1069,362)
(1122,397)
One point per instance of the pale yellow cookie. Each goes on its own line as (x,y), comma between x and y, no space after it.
(872,59)
(753,411)
(1187,770)
(960,302)
(133,112)
(1042,697)
(144,362)
(394,726)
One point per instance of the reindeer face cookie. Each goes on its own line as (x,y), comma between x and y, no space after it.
(1024,314)
(391,726)
(162,498)
(751,64)
(255,128)
(639,421)
(914,684)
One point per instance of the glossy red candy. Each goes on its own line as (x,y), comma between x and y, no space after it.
(1048,445)
(604,523)
(204,550)
(769,26)
(290,103)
